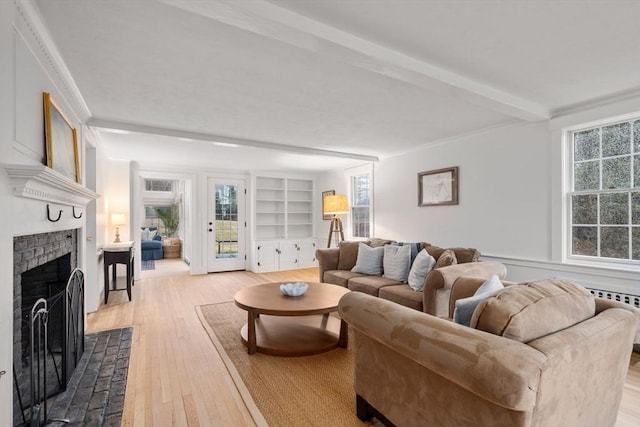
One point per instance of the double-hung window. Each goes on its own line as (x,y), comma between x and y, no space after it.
(361,205)
(604,193)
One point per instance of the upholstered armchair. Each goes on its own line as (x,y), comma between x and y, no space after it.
(540,354)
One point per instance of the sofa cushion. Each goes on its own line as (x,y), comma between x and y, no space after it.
(462,254)
(533,310)
(339,277)
(464,307)
(375,242)
(421,266)
(396,262)
(348,254)
(370,284)
(403,295)
(369,260)
(447,258)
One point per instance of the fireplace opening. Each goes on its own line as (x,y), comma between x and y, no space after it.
(45,269)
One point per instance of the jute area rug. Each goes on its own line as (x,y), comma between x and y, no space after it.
(283,391)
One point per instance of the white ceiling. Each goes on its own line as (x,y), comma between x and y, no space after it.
(364,77)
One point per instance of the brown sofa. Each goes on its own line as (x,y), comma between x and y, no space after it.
(335,266)
(540,354)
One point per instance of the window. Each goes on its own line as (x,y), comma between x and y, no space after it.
(604,196)
(361,205)
(158,185)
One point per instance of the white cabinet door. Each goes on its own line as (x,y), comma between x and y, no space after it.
(267,256)
(288,255)
(307,253)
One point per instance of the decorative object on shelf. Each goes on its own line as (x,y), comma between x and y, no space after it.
(294,289)
(335,205)
(325,194)
(117,219)
(61,141)
(438,187)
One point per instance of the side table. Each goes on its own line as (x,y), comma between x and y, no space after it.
(117,253)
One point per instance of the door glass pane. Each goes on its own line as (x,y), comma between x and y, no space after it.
(226,221)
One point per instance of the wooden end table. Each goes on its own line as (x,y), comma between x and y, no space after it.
(281,325)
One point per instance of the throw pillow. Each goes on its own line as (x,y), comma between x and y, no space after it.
(415,248)
(146,233)
(348,254)
(369,260)
(421,266)
(466,306)
(447,258)
(396,262)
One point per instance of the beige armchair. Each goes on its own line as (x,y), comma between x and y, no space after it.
(562,360)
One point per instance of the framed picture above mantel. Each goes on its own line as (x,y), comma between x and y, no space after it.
(438,187)
(61,140)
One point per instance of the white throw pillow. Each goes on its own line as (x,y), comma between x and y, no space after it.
(396,262)
(422,265)
(145,235)
(466,306)
(369,260)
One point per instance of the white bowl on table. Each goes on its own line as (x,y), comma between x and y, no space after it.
(294,289)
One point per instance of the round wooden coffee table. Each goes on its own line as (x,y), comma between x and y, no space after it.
(292,326)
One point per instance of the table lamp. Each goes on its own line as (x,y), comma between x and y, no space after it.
(117,219)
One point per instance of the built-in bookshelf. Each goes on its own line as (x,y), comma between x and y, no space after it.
(270,208)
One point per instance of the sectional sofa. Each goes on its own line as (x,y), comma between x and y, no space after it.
(335,265)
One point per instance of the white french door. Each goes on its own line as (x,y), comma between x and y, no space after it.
(226,225)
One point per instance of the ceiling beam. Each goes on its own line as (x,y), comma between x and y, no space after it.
(272,21)
(106,124)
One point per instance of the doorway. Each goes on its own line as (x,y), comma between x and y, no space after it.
(226,225)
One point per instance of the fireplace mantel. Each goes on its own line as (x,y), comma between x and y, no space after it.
(42,183)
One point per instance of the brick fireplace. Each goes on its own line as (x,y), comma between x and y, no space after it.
(42,264)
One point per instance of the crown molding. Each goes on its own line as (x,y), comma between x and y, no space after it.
(31,28)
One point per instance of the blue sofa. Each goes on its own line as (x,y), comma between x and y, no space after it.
(151,248)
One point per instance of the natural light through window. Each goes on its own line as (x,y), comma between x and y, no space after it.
(361,205)
(604,197)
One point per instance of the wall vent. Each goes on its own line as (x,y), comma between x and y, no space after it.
(633,300)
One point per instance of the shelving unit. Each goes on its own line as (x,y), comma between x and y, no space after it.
(299,208)
(270,208)
(283,219)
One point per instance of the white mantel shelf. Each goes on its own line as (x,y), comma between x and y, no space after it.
(42,183)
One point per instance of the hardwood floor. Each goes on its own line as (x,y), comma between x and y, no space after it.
(176,377)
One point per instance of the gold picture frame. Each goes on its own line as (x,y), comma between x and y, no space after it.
(325,194)
(61,140)
(438,187)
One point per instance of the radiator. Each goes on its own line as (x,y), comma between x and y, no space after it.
(633,300)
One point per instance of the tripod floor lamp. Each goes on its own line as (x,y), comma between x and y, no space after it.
(335,205)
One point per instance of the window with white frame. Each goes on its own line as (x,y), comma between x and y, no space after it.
(604,195)
(361,205)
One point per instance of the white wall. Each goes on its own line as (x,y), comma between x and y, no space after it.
(30,66)
(510,197)
(6,237)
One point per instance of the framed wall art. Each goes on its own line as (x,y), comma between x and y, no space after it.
(324,194)
(61,141)
(438,187)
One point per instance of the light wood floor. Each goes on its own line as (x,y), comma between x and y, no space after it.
(176,377)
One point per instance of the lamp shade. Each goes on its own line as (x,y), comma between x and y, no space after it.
(336,204)
(117,219)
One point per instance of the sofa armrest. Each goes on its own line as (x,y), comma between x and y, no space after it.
(438,283)
(327,260)
(499,370)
